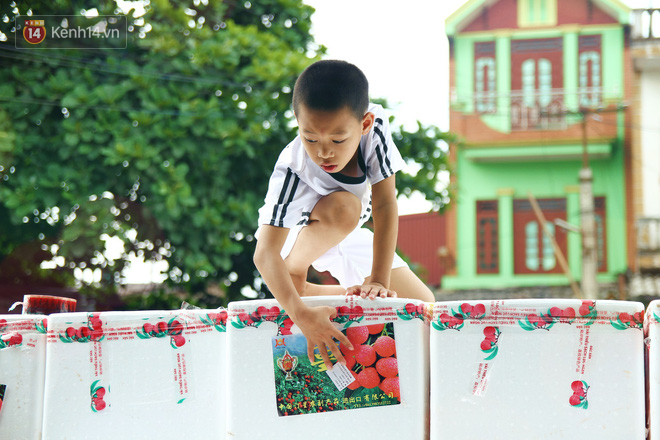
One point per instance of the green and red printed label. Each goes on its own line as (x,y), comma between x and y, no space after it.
(304,387)
(579,397)
(217,320)
(19,334)
(172,329)
(490,343)
(626,320)
(413,311)
(91,331)
(263,314)
(3,388)
(98,394)
(455,319)
(541,321)
(10,339)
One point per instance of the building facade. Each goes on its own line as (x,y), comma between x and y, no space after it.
(645,50)
(523,75)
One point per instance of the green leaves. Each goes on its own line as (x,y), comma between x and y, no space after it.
(167,145)
(428,149)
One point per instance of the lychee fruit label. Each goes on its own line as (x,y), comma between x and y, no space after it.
(3,388)
(181,377)
(481,378)
(585,350)
(341,376)
(370,377)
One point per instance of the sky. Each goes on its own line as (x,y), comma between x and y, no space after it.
(402,48)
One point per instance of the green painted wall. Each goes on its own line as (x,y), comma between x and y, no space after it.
(464,65)
(612,43)
(547,179)
(506,181)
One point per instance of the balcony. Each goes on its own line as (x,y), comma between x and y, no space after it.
(645,25)
(648,244)
(645,39)
(524,117)
(535,110)
(538,111)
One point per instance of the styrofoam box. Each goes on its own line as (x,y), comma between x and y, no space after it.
(259,338)
(22,364)
(542,369)
(135,375)
(652,329)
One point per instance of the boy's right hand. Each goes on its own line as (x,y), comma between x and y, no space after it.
(315,324)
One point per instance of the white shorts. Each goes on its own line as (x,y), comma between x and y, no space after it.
(350,262)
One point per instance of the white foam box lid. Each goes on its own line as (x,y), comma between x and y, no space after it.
(134,375)
(253,410)
(22,364)
(543,369)
(652,330)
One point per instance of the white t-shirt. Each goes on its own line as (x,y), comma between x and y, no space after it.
(297,183)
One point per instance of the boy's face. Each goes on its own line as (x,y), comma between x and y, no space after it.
(331,138)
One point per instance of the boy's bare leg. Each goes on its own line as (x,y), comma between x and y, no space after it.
(312,289)
(332,219)
(407,285)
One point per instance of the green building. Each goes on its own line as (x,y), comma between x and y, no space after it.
(522,75)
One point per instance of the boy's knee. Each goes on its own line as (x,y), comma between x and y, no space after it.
(342,209)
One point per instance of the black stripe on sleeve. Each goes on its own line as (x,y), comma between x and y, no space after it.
(296,179)
(380,134)
(289,173)
(380,161)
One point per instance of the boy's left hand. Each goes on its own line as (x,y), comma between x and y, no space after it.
(371,290)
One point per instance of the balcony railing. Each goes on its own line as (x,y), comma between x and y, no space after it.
(645,24)
(648,245)
(648,235)
(538,111)
(533,110)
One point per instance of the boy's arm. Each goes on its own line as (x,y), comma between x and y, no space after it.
(386,226)
(314,322)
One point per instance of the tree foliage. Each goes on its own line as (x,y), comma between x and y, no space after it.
(166,145)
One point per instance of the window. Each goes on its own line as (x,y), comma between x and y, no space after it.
(485,84)
(539,257)
(533,250)
(536,79)
(589,70)
(484,77)
(537,89)
(487,237)
(537,13)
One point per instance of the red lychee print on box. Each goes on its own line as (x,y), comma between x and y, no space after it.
(304,387)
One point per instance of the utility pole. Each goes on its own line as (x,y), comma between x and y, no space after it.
(587,217)
(588,221)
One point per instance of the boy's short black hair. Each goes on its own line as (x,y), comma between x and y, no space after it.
(331,85)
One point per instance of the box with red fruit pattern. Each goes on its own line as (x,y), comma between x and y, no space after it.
(543,369)
(22,365)
(652,331)
(125,375)
(384,385)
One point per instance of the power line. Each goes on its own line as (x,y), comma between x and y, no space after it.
(109,108)
(87,64)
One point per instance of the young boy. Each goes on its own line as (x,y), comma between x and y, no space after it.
(327,182)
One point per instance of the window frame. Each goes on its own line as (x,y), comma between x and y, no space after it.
(487,237)
(523,214)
